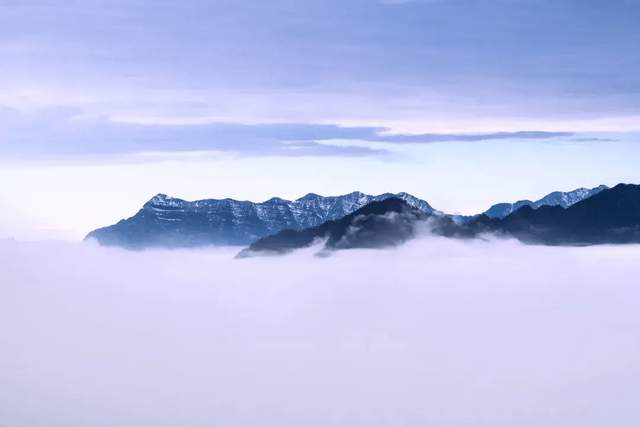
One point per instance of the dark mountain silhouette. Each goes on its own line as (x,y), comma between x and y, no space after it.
(557,198)
(387,223)
(611,216)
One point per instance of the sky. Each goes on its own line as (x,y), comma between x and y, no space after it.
(105,103)
(436,332)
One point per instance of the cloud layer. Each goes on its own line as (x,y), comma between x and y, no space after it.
(436,332)
(52,132)
(323,59)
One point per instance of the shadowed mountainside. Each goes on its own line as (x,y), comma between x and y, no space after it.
(611,216)
(557,198)
(387,223)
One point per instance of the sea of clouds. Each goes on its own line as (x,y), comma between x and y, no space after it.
(437,332)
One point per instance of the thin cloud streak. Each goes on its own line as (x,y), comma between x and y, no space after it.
(55,132)
(594,140)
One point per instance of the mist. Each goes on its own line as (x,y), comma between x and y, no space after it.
(437,332)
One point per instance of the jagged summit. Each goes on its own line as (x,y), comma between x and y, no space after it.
(277,200)
(309,196)
(159,199)
(162,200)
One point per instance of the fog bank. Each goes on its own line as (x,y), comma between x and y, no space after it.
(437,332)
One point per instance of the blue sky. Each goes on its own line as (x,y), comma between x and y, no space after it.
(164,93)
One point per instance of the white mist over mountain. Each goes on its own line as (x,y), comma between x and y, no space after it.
(436,332)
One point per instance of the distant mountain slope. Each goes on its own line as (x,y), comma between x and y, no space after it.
(557,198)
(169,222)
(610,216)
(386,223)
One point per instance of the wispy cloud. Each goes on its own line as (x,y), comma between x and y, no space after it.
(54,132)
(594,140)
(427,138)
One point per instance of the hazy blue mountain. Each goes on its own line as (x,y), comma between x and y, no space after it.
(169,222)
(557,198)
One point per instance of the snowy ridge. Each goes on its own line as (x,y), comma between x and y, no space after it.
(308,211)
(170,222)
(166,221)
(556,198)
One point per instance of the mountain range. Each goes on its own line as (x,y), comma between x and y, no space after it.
(612,216)
(557,198)
(169,222)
